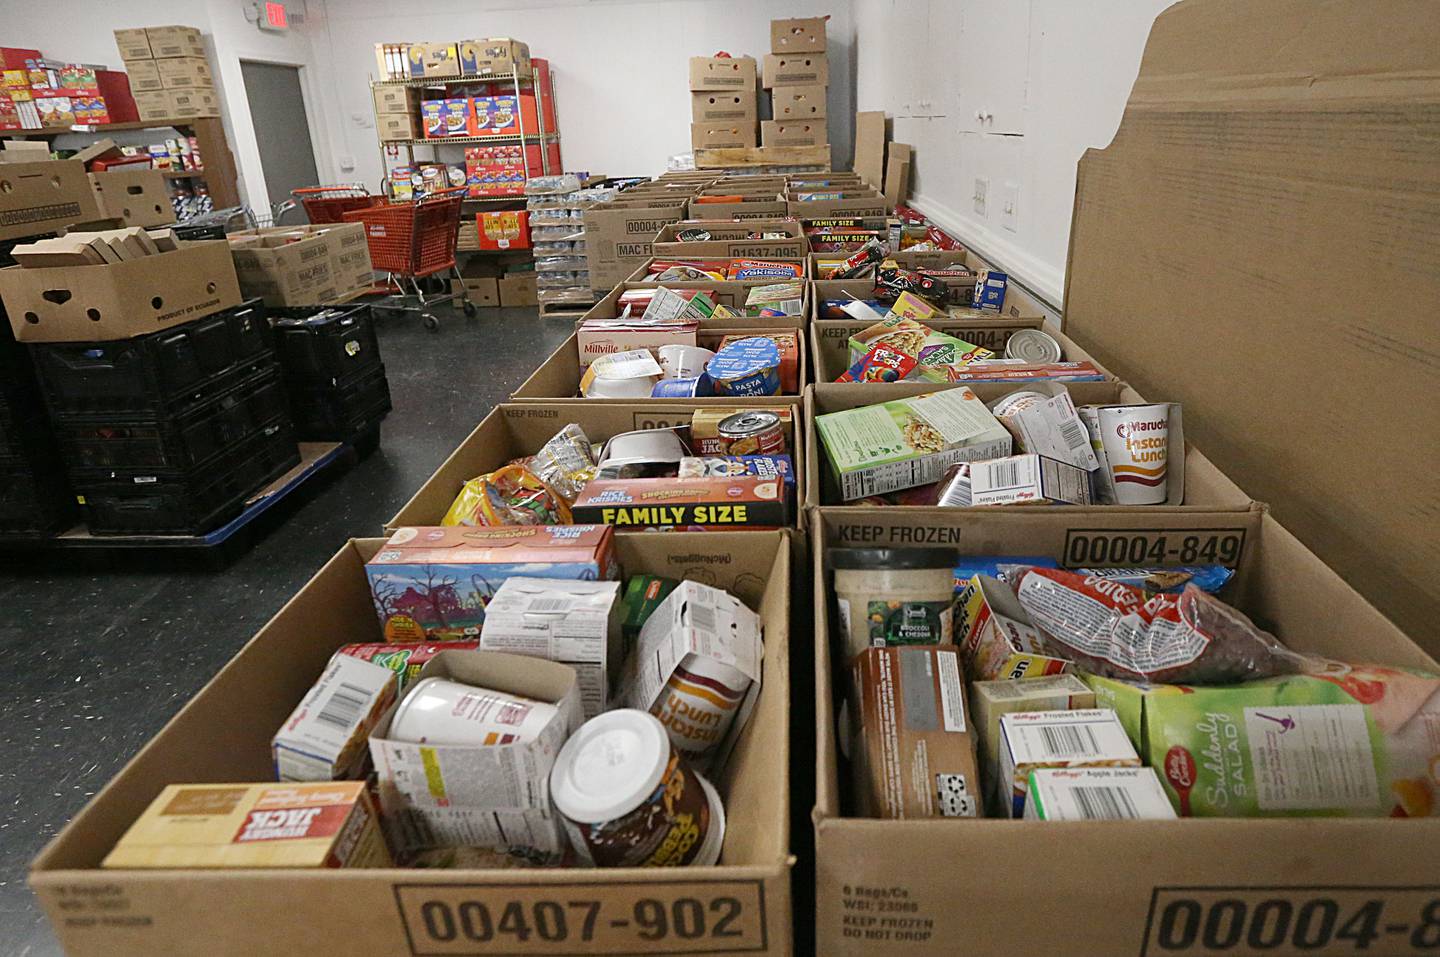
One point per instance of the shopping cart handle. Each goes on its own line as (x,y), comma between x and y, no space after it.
(358,188)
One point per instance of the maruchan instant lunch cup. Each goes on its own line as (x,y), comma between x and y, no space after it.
(441,711)
(1137,445)
(629,799)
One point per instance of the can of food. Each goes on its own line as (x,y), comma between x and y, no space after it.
(627,798)
(1032,345)
(1007,407)
(441,711)
(753,432)
(748,367)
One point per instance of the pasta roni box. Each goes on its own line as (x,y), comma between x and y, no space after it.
(432,584)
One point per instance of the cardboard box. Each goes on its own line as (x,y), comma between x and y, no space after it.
(576,623)
(737,206)
(172,41)
(857,204)
(798,35)
(793,132)
(618,235)
(791,103)
(796,69)
(754,278)
(989,700)
(185,73)
(1300,454)
(603,337)
(730,240)
(830,338)
(397,126)
(721,135)
(44,196)
(722,73)
(325,736)
(1253,860)
(433,60)
(120,300)
(481,290)
(913,745)
(519,429)
(494,55)
(453,795)
(136,196)
(729,293)
(716,106)
(518,289)
(144,75)
(325,826)
(432,582)
(223,735)
(396,99)
(1031,740)
(133,44)
(191,104)
(285,268)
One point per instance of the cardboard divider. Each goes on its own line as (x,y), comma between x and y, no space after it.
(1203,486)
(516,429)
(830,345)
(558,377)
(618,234)
(223,735)
(954,882)
(759,205)
(731,241)
(727,293)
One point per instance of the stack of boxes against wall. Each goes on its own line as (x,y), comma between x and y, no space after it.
(170,74)
(797,74)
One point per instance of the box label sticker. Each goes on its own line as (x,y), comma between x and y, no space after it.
(884,916)
(671,917)
(1250,921)
(1097,547)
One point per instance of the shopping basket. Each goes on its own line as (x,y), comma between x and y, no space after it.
(329,204)
(412,240)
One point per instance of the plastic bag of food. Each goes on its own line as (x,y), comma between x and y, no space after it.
(566,463)
(1113,630)
(511,495)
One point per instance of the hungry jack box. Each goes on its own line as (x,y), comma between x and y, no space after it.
(255,825)
(432,584)
(495,795)
(914,752)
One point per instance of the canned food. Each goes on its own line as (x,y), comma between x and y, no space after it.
(1032,345)
(753,432)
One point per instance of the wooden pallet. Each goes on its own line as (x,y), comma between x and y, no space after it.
(757,157)
(570,310)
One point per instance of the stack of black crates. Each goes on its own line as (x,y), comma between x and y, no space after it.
(34,496)
(171,432)
(331,358)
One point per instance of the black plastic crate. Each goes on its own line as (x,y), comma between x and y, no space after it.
(161,505)
(323,346)
(174,443)
(161,372)
(24,432)
(35,499)
(339,412)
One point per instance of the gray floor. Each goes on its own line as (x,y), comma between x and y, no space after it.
(98,661)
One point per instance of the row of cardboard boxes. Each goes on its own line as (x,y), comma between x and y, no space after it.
(1293,884)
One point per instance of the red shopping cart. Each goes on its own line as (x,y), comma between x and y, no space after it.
(412,241)
(329,204)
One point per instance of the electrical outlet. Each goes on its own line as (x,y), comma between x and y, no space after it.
(982,190)
(347,164)
(1010,206)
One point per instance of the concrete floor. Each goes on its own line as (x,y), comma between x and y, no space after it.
(98,660)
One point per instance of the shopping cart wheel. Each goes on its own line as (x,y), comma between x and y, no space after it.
(469,308)
(430,321)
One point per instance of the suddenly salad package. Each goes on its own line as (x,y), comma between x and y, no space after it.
(1350,740)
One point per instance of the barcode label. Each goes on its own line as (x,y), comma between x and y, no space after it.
(1075,437)
(1070,741)
(345,707)
(1004,474)
(1104,804)
(952,699)
(702,617)
(551,606)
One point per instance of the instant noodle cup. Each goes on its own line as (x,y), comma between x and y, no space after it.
(628,799)
(444,712)
(749,367)
(683,362)
(1137,445)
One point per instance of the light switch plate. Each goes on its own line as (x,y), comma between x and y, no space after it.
(982,190)
(1010,206)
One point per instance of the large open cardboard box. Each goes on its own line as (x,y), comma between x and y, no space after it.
(512,430)
(44,196)
(223,734)
(1001,888)
(830,340)
(558,377)
(642,272)
(730,240)
(1202,485)
(1259,242)
(726,293)
(618,234)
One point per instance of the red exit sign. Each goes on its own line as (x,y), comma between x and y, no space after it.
(273,16)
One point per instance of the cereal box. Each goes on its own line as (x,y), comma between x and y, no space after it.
(1030,740)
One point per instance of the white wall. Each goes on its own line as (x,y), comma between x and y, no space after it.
(1052,75)
(620,67)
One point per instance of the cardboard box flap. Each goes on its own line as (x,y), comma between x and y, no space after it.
(1237,188)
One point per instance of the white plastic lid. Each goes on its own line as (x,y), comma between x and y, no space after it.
(614,762)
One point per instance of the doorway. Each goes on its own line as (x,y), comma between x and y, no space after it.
(282,133)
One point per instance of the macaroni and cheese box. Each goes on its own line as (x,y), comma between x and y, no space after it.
(996,636)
